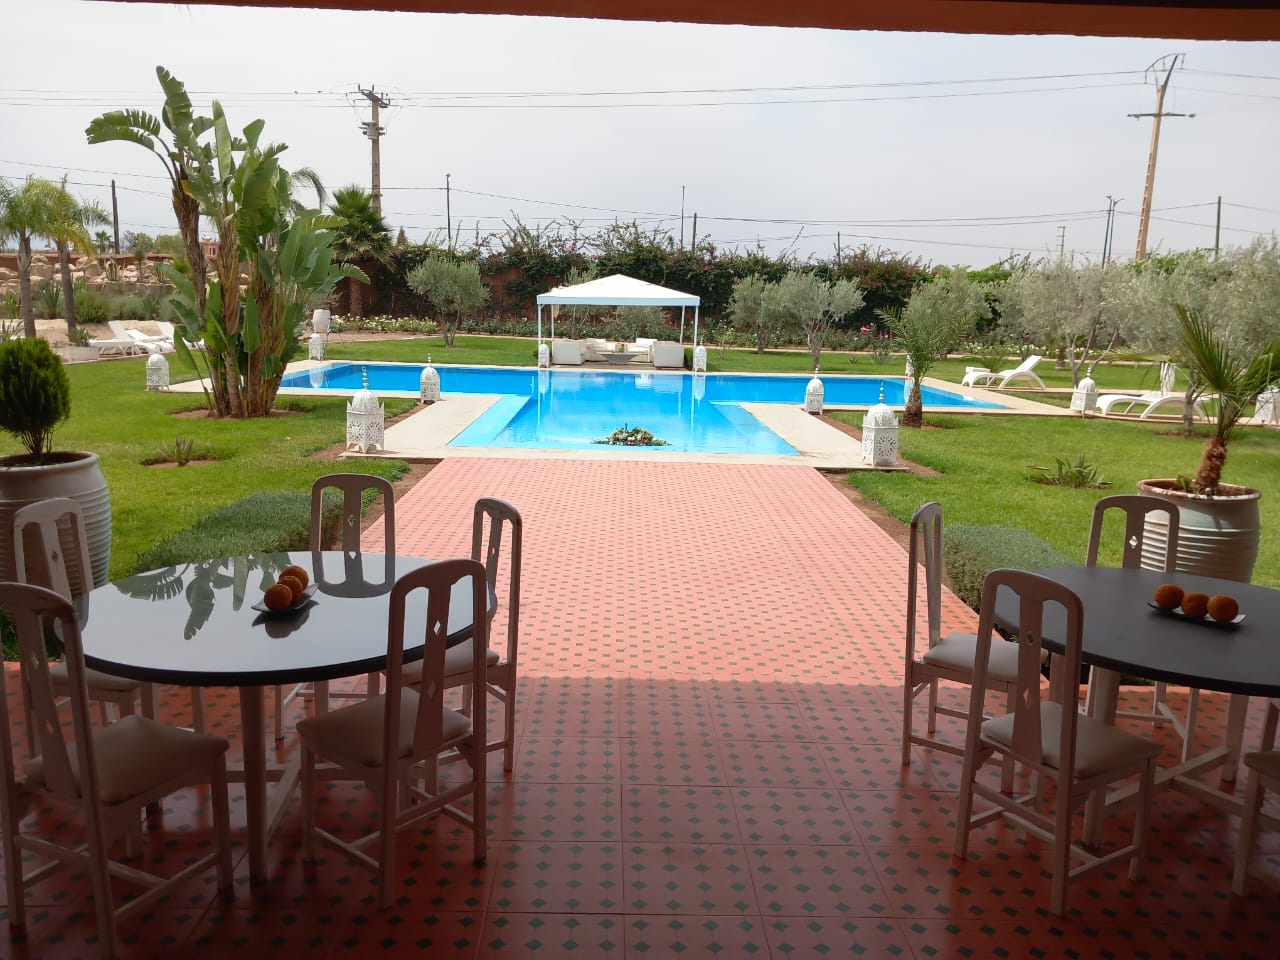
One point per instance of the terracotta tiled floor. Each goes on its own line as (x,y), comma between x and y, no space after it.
(708,765)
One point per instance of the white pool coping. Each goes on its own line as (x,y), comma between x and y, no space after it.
(426,433)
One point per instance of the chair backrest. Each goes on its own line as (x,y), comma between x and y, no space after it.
(1135,509)
(438,579)
(1168,377)
(499,515)
(33,611)
(1028,364)
(353,487)
(118,330)
(1034,594)
(925,548)
(165,328)
(50,548)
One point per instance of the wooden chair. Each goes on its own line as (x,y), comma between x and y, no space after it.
(110,774)
(1051,737)
(946,658)
(1264,774)
(388,740)
(50,550)
(1136,509)
(353,487)
(493,517)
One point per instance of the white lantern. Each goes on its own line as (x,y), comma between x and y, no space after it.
(1268,408)
(699,386)
(880,435)
(366,420)
(700,359)
(316,376)
(544,356)
(157,372)
(316,349)
(1084,398)
(813,396)
(429,385)
(320,318)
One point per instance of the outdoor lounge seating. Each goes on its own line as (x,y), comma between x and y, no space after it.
(667,353)
(570,352)
(1023,372)
(1149,404)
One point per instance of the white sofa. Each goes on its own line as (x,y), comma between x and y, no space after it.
(571,352)
(667,353)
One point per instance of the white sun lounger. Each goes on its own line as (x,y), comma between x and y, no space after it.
(1147,405)
(1023,371)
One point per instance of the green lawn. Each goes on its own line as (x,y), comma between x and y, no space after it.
(983,462)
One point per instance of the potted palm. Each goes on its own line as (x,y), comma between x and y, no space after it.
(1218,532)
(35,397)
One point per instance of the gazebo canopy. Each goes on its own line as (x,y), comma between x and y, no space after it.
(618,290)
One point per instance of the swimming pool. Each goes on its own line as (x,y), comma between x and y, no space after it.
(568,409)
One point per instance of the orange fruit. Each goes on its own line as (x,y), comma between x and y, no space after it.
(278,596)
(1223,608)
(294,585)
(296,571)
(1168,596)
(1195,604)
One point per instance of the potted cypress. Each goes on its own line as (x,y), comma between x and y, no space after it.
(35,397)
(1218,532)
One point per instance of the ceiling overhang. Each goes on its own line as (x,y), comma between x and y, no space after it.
(1181,19)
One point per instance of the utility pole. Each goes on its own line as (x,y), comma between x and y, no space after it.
(693,235)
(1062,241)
(1144,220)
(374,132)
(1217,228)
(448,212)
(1112,203)
(682,216)
(115,215)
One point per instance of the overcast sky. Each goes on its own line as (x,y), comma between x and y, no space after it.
(899,146)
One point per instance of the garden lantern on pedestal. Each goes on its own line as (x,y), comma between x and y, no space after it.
(700,359)
(813,394)
(1084,398)
(366,420)
(429,385)
(157,372)
(544,356)
(880,435)
(316,349)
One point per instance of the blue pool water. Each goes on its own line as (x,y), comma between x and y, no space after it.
(568,409)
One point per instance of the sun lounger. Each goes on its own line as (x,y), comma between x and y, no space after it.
(150,344)
(1147,405)
(1025,371)
(117,346)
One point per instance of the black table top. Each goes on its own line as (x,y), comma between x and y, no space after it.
(194,625)
(1122,633)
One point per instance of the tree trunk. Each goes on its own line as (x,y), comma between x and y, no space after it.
(1209,475)
(24,288)
(355,296)
(68,291)
(913,413)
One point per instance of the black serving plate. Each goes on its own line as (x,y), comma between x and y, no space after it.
(1206,620)
(300,604)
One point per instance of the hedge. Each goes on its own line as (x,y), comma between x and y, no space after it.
(971,552)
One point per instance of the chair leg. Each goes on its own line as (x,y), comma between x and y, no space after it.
(1189,729)
(374,684)
(509,733)
(13,868)
(933,707)
(1248,832)
(197,710)
(387,843)
(147,695)
(908,702)
(1061,853)
(221,821)
(279,712)
(1142,817)
(306,783)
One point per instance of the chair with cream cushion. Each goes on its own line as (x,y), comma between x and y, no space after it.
(1050,737)
(667,353)
(110,774)
(568,352)
(494,518)
(946,658)
(50,550)
(392,741)
(353,487)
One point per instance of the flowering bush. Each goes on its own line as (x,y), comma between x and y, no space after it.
(385,324)
(632,437)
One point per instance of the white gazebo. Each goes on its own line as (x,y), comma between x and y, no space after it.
(618,291)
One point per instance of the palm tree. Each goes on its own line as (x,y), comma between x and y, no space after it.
(26,212)
(1215,368)
(70,229)
(363,235)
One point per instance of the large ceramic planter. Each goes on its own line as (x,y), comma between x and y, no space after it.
(1217,536)
(77,476)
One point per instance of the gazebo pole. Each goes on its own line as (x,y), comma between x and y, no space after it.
(682,324)
(539,324)
(695,327)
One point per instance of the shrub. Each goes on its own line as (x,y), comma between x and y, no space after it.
(1078,475)
(971,552)
(91,307)
(35,393)
(127,308)
(48,300)
(262,522)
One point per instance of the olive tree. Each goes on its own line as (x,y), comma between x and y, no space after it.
(805,303)
(939,314)
(751,309)
(452,287)
(1077,312)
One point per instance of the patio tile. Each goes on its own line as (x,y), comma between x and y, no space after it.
(557,877)
(835,936)
(554,811)
(514,935)
(816,881)
(677,813)
(683,719)
(787,815)
(774,763)
(687,879)
(746,720)
(697,936)
(676,762)
(568,759)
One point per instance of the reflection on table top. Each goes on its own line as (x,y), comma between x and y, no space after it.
(1121,632)
(193,624)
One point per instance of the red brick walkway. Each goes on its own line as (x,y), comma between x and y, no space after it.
(708,764)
